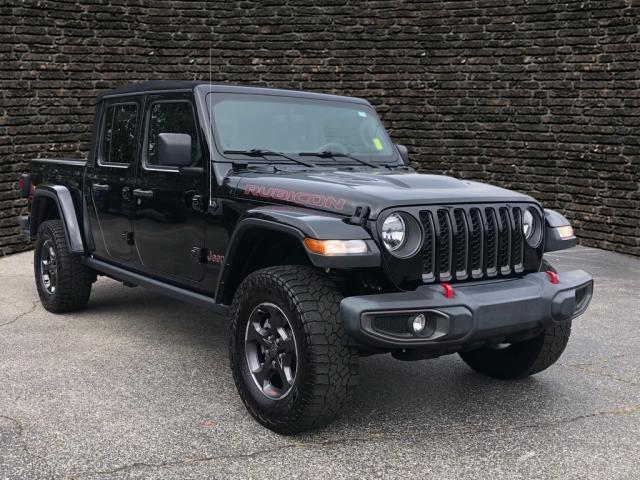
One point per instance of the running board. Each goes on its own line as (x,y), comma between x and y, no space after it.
(167,289)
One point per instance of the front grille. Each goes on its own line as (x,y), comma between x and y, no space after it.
(471,242)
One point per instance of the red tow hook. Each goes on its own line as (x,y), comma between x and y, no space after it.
(448,290)
(553,277)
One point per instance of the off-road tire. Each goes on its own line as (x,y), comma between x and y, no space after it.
(327,361)
(73,283)
(522,359)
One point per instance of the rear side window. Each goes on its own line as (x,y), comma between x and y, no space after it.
(119,134)
(171,117)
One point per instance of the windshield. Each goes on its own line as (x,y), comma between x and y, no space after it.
(294,126)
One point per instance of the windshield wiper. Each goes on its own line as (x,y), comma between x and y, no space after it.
(329,154)
(260,152)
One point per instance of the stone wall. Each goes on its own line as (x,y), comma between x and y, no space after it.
(542,96)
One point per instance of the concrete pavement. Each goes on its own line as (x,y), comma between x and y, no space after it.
(138,386)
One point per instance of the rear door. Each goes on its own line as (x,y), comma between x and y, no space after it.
(110,179)
(169,220)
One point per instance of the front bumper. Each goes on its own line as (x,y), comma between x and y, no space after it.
(498,311)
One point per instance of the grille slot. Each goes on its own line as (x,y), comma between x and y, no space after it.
(460,244)
(517,247)
(476,242)
(504,248)
(491,236)
(471,243)
(445,245)
(428,246)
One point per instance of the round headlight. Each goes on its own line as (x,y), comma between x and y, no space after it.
(532,226)
(527,224)
(393,232)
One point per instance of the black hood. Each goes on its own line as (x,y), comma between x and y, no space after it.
(343,191)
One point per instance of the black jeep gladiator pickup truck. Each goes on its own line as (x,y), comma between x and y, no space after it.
(295,216)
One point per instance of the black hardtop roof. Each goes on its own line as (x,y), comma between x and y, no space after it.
(170,85)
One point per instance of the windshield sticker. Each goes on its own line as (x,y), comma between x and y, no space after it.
(378,144)
(362,114)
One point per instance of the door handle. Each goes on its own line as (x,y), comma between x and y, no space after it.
(100,187)
(142,193)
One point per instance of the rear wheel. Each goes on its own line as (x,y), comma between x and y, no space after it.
(292,363)
(62,280)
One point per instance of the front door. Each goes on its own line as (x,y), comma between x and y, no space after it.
(110,179)
(169,220)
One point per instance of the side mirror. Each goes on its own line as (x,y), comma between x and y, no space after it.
(404,153)
(174,150)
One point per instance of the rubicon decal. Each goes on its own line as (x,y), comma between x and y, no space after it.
(302,198)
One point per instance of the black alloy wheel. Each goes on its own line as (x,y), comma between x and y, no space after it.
(48,267)
(271,350)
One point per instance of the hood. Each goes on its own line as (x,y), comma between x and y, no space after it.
(343,191)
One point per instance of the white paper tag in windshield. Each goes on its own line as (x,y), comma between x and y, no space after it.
(362,114)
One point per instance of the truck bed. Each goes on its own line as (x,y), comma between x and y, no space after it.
(61,171)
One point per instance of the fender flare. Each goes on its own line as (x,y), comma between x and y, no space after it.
(300,224)
(63,200)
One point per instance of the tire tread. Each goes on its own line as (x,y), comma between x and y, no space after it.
(74,279)
(332,358)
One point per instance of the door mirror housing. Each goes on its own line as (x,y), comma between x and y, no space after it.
(404,153)
(174,150)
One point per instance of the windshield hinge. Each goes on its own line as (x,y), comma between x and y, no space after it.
(360,215)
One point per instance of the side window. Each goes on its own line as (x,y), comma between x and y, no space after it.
(119,134)
(171,117)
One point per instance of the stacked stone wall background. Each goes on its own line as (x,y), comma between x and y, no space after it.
(541,96)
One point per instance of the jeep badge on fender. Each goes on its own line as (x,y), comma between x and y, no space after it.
(294,216)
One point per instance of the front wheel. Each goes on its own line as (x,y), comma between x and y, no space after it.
(292,363)
(522,359)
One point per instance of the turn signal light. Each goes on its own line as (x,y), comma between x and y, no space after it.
(335,247)
(565,232)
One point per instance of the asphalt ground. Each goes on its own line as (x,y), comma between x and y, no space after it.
(138,386)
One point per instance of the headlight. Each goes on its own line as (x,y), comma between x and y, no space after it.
(527,224)
(401,234)
(532,226)
(393,232)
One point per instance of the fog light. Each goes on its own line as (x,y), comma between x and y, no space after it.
(418,323)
